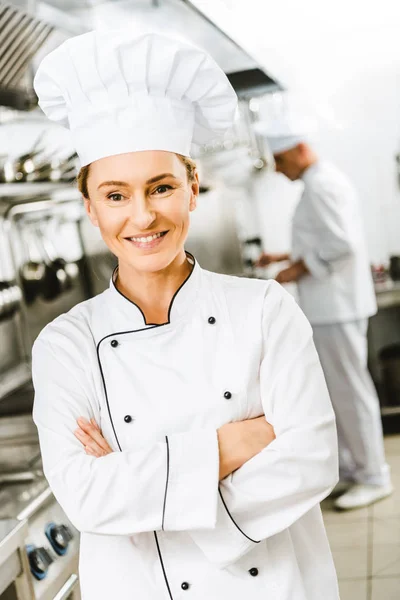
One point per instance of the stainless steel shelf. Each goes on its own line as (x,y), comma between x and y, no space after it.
(388,411)
(387,294)
(17,190)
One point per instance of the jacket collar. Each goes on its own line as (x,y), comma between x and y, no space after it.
(181,302)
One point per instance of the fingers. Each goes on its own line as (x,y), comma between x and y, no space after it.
(89,434)
(263,261)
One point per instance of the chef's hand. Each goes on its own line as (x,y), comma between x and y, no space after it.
(269,259)
(240,441)
(292,273)
(89,434)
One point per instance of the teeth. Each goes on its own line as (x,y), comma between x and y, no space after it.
(146,240)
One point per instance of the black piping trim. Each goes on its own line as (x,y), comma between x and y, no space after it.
(173,297)
(105,392)
(234,522)
(119,446)
(166,484)
(162,566)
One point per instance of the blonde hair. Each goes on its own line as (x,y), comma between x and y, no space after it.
(83,174)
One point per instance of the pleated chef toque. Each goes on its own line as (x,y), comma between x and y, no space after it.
(289,118)
(117,93)
(286,131)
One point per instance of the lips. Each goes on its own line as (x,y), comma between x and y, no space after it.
(147,241)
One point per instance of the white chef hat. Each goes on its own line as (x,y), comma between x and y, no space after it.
(118,93)
(286,131)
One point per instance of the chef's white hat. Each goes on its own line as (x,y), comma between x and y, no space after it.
(118,93)
(286,131)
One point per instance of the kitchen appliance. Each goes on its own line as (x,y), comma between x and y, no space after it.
(48,542)
(394,268)
(41,235)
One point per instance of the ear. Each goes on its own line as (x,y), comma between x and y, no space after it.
(91,211)
(195,186)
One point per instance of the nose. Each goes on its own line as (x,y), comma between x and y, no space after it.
(142,214)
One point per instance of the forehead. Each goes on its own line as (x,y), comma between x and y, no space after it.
(136,167)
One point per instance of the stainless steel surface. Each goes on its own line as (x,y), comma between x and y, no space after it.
(68,588)
(12,536)
(15,375)
(21,35)
(10,299)
(213,236)
(34,505)
(13,561)
(388,294)
(183,18)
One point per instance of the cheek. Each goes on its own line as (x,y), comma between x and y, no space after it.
(110,220)
(178,210)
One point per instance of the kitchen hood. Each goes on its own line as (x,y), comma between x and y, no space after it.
(21,36)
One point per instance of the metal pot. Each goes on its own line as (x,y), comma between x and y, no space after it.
(56,280)
(10,299)
(32,272)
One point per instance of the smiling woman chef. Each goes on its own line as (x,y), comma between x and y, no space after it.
(174,476)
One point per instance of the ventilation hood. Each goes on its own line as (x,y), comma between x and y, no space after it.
(21,36)
(25,26)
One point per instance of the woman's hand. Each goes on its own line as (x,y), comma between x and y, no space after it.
(90,436)
(241,441)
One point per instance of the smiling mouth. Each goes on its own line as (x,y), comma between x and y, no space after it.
(147,239)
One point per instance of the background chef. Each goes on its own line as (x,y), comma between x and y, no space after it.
(178,489)
(329,262)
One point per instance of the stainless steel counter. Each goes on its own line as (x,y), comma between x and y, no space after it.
(14,568)
(387,294)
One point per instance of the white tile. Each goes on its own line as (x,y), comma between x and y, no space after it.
(389,506)
(392,445)
(351,563)
(386,560)
(333,516)
(348,535)
(386,589)
(353,590)
(386,530)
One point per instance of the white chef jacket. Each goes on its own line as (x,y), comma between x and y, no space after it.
(328,235)
(155,523)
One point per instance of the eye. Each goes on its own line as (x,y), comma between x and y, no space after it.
(115,197)
(162,189)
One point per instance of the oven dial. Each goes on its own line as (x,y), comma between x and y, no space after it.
(59,537)
(39,561)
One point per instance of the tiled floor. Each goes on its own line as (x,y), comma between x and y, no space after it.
(366,543)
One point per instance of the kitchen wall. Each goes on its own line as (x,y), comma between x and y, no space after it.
(345,58)
(346,61)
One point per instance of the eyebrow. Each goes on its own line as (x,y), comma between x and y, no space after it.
(149,181)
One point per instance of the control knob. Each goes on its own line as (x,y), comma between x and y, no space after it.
(59,537)
(39,561)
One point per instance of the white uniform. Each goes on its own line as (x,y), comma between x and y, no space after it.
(338,297)
(155,523)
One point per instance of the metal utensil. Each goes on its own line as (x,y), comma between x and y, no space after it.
(56,279)
(10,299)
(32,272)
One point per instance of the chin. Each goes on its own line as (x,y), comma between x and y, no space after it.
(151,263)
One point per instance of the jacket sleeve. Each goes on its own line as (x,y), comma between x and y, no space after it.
(328,215)
(172,484)
(299,468)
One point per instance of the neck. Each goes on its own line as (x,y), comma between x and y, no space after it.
(152,292)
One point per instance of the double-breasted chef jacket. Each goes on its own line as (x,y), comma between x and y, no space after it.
(155,522)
